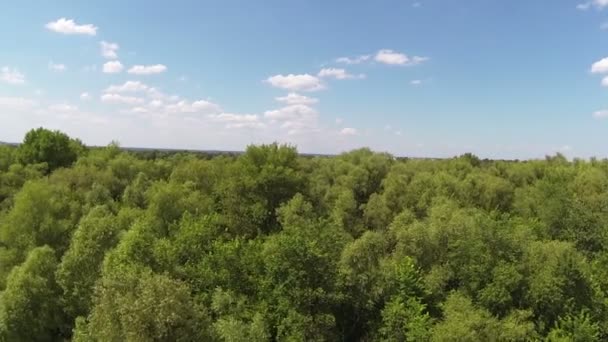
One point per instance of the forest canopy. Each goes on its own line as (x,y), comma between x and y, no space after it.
(105,244)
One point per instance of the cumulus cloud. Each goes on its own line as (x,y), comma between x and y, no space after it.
(113,67)
(85,96)
(390,57)
(354,60)
(601,114)
(11,76)
(108,50)
(121,99)
(57,67)
(303,82)
(600,67)
(69,26)
(416,82)
(147,69)
(127,87)
(339,74)
(295,98)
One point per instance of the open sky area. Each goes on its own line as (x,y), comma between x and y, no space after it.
(428,78)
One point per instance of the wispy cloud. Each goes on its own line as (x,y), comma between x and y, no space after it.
(353,60)
(121,99)
(17,103)
(200,106)
(147,69)
(56,66)
(295,98)
(11,76)
(295,119)
(127,87)
(237,120)
(601,114)
(390,57)
(348,131)
(109,50)
(384,56)
(339,74)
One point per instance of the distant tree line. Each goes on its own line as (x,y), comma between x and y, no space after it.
(102,244)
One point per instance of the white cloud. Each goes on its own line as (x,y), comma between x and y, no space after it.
(295,118)
(295,98)
(57,67)
(112,67)
(127,87)
(156,94)
(17,103)
(601,114)
(391,57)
(416,82)
(68,26)
(291,112)
(193,107)
(238,120)
(600,66)
(62,108)
(339,121)
(85,96)
(11,76)
(353,60)
(139,110)
(108,50)
(303,82)
(156,103)
(120,99)
(147,69)
(339,74)
(348,131)
(599,4)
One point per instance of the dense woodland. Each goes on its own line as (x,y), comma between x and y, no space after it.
(101,244)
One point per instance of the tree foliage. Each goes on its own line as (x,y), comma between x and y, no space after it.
(103,244)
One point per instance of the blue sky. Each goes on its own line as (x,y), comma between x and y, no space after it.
(501,79)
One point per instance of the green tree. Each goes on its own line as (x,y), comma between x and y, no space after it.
(134,304)
(29,307)
(80,266)
(52,147)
